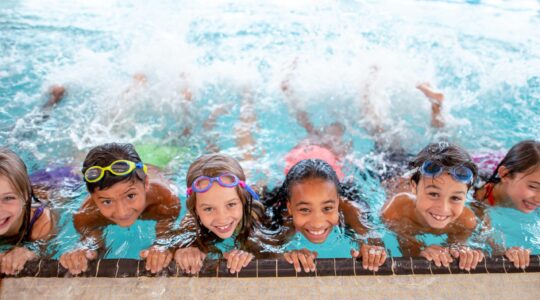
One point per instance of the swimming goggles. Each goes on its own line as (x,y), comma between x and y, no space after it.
(459,173)
(204,183)
(117,168)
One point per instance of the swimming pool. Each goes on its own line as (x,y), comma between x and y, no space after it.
(484,55)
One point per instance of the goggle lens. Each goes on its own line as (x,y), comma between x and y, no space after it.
(93,173)
(120,167)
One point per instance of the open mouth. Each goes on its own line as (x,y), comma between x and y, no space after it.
(4,221)
(529,205)
(225,228)
(317,234)
(439,218)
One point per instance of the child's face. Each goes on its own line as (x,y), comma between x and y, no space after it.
(314,207)
(123,202)
(523,189)
(220,210)
(440,200)
(11,208)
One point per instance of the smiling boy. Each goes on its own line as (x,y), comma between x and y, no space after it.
(122,190)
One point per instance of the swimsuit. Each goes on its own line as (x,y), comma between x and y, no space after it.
(39,211)
(489,194)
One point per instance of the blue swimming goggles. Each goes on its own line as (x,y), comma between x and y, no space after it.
(459,173)
(204,183)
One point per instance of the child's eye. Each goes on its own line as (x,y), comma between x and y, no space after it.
(304,210)
(433,194)
(232,204)
(533,187)
(456,199)
(207,209)
(106,202)
(9,198)
(328,208)
(131,196)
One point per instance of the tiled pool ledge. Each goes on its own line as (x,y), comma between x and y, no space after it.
(119,268)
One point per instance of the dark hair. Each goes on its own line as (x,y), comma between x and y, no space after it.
(276,200)
(523,157)
(447,154)
(104,155)
(212,165)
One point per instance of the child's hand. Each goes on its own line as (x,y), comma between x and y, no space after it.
(372,256)
(189,259)
(77,261)
(519,256)
(157,258)
(439,255)
(302,257)
(13,261)
(237,259)
(468,258)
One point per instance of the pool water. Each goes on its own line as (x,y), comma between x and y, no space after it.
(484,55)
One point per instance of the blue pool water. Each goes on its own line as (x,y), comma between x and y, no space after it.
(484,55)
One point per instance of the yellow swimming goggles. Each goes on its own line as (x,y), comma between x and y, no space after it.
(117,168)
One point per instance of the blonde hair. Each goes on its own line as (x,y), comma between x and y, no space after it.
(14,170)
(213,165)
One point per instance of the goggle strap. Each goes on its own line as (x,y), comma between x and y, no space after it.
(189,191)
(251,191)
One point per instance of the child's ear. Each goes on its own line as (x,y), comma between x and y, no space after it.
(503,172)
(288,207)
(413,187)
(146,184)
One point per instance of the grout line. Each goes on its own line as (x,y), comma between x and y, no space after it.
(117,268)
(39,268)
(392,267)
(504,265)
(58,269)
(354,265)
(276,269)
(335,272)
(412,267)
(485,265)
(430,269)
(138,262)
(97,267)
(257,268)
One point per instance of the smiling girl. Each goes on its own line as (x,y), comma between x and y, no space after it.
(224,215)
(442,175)
(23,218)
(313,202)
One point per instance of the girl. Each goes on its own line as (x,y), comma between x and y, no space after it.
(441,177)
(224,215)
(23,218)
(312,201)
(515,183)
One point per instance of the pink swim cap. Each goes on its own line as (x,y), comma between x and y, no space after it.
(313,152)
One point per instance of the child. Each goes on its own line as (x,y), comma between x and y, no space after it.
(222,209)
(441,177)
(23,218)
(515,183)
(312,201)
(121,191)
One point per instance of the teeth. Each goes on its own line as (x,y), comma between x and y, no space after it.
(223,227)
(439,217)
(318,232)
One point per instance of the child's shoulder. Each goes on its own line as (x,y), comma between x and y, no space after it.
(397,206)
(467,219)
(42,226)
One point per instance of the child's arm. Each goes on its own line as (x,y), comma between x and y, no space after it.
(436,99)
(164,207)
(302,116)
(373,253)
(89,223)
(188,257)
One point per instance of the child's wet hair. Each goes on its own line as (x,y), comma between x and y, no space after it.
(310,169)
(446,154)
(213,165)
(14,170)
(276,200)
(523,157)
(103,156)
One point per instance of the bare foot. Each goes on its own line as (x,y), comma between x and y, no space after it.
(57,93)
(434,97)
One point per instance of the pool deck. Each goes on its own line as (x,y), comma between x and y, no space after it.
(340,278)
